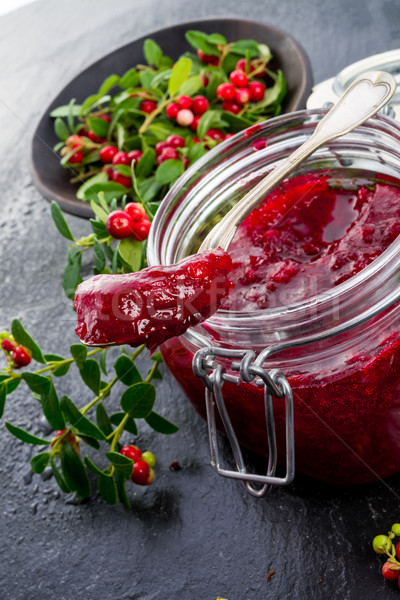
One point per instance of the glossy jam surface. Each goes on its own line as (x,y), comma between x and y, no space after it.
(347,391)
(154,304)
(309,236)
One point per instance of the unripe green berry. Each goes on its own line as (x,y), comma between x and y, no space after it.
(396,529)
(381,544)
(149,458)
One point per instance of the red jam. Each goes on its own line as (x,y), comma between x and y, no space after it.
(154,304)
(347,401)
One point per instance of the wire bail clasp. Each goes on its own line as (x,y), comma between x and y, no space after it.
(275,385)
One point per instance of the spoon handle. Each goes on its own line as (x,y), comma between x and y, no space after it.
(369,93)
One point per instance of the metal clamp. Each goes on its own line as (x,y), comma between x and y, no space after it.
(275,385)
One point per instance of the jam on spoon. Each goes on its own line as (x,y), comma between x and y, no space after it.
(154,304)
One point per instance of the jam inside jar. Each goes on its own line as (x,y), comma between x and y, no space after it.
(337,338)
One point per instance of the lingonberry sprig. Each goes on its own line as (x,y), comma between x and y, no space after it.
(201,99)
(90,426)
(383,544)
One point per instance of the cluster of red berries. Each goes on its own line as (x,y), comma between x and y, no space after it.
(187,111)
(110,155)
(143,463)
(239,92)
(130,222)
(19,356)
(170,149)
(382,544)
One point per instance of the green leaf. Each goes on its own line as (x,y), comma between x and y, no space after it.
(98,256)
(92,101)
(94,468)
(3,395)
(273,95)
(102,361)
(65,110)
(127,371)
(146,163)
(210,119)
(152,53)
(74,472)
(90,373)
(88,440)
(62,484)
(25,339)
(98,228)
(111,190)
(98,178)
(79,354)
(149,189)
(62,369)
(61,129)
(81,423)
(122,463)
(191,86)
(60,222)
(100,213)
(180,72)
(146,79)
(200,41)
(130,425)
(40,462)
(107,489)
(161,425)
(196,152)
(24,436)
(72,276)
(37,383)
(110,82)
(121,490)
(129,79)
(138,400)
(98,126)
(216,78)
(235,123)
(131,252)
(11,386)
(161,130)
(169,171)
(217,38)
(52,409)
(244,47)
(157,357)
(103,420)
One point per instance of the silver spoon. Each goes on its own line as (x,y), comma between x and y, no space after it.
(368,94)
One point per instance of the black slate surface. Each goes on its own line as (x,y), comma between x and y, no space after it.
(191,535)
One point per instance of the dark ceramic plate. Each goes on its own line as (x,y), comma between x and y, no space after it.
(52,180)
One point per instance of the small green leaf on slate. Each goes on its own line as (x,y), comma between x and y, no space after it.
(11,386)
(92,467)
(87,439)
(61,129)
(121,490)
(58,371)
(157,357)
(37,383)
(25,436)
(127,370)
(25,339)
(3,395)
(161,425)
(40,462)
(60,222)
(98,256)
(122,463)
(72,276)
(138,400)
(90,373)
(79,354)
(103,361)
(168,171)
(130,425)
(62,484)
(98,228)
(74,472)
(131,252)
(81,423)
(180,72)
(52,409)
(152,52)
(107,489)
(108,83)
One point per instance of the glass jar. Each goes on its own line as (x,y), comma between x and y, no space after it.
(340,350)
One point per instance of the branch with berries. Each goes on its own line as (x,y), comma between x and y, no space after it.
(383,544)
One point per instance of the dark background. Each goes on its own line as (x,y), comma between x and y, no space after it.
(191,535)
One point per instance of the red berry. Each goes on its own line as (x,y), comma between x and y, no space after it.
(207,59)
(398,550)
(134,155)
(196,140)
(122,179)
(257,90)
(226,91)
(160,147)
(241,66)
(172,110)
(95,138)
(119,224)
(390,571)
(141,230)
(232,107)
(176,141)
(184,102)
(185,117)
(77,157)
(132,452)
(21,357)
(242,95)
(107,153)
(204,79)
(142,473)
(238,78)
(7,345)
(105,117)
(200,105)
(74,141)
(167,154)
(215,134)
(136,211)
(148,106)
(195,123)
(121,158)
